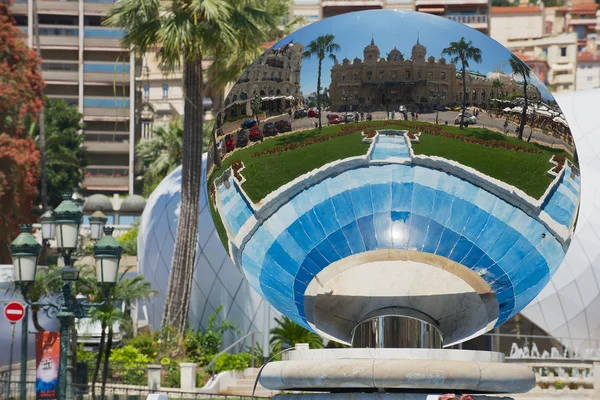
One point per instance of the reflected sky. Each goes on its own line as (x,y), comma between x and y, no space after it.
(393,28)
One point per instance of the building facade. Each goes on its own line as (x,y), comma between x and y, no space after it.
(162,98)
(84,64)
(588,71)
(274,78)
(517,23)
(474,13)
(387,82)
(560,51)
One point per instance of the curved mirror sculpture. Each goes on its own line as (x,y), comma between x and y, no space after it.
(397,164)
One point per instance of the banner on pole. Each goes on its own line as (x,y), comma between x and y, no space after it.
(47,352)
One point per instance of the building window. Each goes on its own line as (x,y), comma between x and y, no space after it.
(443,76)
(343,77)
(369,75)
(165,90)
(146,90)
(407,74)
(430,75)
(563,51)
(394,76)
(381,75)
(356,76)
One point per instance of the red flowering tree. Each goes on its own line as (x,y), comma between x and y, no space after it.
(21,89)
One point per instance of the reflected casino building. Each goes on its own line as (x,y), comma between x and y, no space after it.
(391,81)
(274,77)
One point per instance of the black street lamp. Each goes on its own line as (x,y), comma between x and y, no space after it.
(256,104)
(436,97)
(97,222)
(25,251)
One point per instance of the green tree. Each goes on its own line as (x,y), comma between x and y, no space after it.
(126,291)
(129,239)
(287,333)
(520,68)
(64,154)
(185,32)
(463,51)
(161,154)
(497,84)
(48,284)
(322,46)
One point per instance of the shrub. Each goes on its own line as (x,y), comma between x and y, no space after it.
(573,386)
(233,362)
(133,363)
(558,385)
(544,385)
(145,344)
(129,240)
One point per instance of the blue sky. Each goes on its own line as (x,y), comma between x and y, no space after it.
(389,29)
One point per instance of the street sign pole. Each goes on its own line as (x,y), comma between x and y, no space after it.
(10,357)
(24,328)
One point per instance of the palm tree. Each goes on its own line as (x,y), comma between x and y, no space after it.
(497,84)
(126,291)
(463,51)
(185,32)
(287,333)
(48,283)
(320,47)
(520,68)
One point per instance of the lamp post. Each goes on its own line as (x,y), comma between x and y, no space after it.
(25,251)
(256,103)
(97,222)
(436,96)
(346,98)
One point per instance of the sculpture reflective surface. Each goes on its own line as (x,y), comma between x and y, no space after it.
(443,184)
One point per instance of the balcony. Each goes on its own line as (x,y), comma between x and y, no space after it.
(102,37)
(476,21)
(97,6)
(106,72)
(106,142)
(68,7)
(106,108)
(60,71)
(69,99)
(583,21)
(19,7)
(58,36)
(106,178)
(563,79)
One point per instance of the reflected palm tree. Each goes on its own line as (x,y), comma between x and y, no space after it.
(322,46)
(463,51)
(520,68)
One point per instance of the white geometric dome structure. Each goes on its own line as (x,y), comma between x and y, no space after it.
(217,282)
(569,306)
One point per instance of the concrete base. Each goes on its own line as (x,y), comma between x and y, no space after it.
(397,370)
(378,396)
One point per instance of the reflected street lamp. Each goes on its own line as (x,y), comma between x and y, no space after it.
(25,251)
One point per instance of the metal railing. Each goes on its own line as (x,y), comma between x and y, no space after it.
(212,364)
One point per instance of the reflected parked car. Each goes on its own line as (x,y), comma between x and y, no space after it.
(255,133)
(221,148)
(300,114)
(349,117)
(469,118)
(241,139)
(334,119)
(313,113)
(229,143)
(283,126)
(249,123)
(270,129)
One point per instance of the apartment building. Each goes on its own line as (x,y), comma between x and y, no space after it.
(84,64)
(517,23)
(588,71)
(560,51)
(474,13)
(161,95)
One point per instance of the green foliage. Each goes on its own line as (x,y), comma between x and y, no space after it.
(85,356)
(504,3)
(233,362)
(202,346)
(65,154)
(558,385)
(312,104)
(133,361)
(129,239)
(145,343)
(287,333)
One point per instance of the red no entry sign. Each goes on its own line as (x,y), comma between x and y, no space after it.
(14,312)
